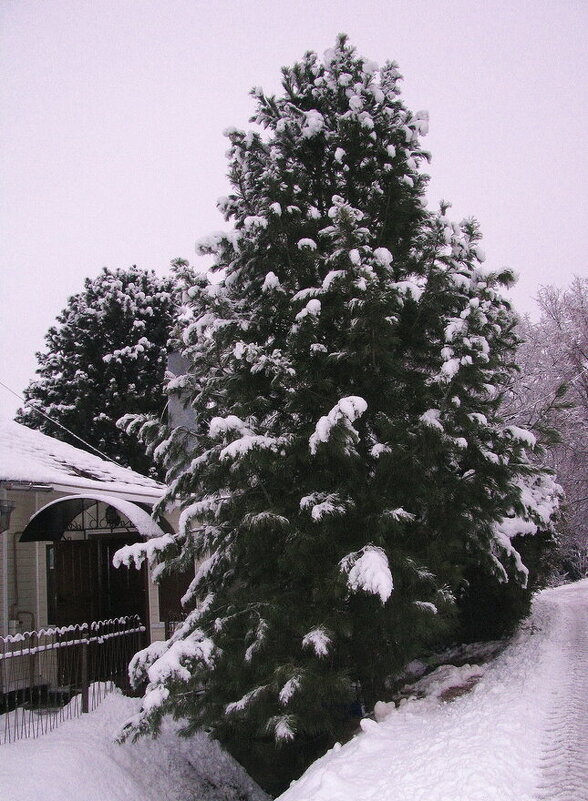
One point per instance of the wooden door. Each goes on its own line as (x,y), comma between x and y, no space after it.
(123,589)
(72,580)
(83,585)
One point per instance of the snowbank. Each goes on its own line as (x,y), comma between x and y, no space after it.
(488,744)
(485,745)
(79,761)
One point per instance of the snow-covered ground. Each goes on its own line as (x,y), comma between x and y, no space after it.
(520,735)
(79,761)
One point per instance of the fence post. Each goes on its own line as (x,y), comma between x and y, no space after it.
(85,678)
(32,665)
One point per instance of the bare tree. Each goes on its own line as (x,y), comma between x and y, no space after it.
(550,396)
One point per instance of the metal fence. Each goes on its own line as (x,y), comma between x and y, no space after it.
(55,674)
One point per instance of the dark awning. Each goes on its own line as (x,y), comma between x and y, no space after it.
(53,520)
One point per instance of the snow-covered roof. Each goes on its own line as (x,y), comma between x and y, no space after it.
(29,456)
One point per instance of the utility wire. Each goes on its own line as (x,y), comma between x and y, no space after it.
(51,420)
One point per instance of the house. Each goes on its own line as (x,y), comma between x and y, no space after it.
(64,513)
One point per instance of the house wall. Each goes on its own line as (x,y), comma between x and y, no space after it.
(23,580)
(157,625)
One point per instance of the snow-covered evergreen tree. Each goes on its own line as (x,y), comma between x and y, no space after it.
(348,470)
(105,357)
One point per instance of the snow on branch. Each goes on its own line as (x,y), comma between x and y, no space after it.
(137,553)
(242,446)
(271,281)
(207,505)
(323,504)
(521,435)
(431,418)
(319,640)
(368,570)
(503,543)
(397,515)
(383,257)
(282,727)
(143,659)
(411,288)
(312,309)
(173,662)
(260,635)
(289,688)
(314,122)
(341,416)
(271,521)
(186,627)
(426,606)
(165,662)
(243,703)
(540,496)
(204,568)
(220,426)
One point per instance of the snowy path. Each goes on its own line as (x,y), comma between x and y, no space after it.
(520,735)
(564,762)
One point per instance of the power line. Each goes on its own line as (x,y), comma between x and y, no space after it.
(57,423)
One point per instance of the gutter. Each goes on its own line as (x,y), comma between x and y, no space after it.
(133,493)
(25,486)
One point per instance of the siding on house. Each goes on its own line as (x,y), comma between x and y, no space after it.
(26,588)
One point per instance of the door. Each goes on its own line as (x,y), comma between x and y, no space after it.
(83,585)
(123,589)
(71,582)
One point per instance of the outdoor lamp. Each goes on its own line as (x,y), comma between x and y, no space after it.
(112,517)
(6,508)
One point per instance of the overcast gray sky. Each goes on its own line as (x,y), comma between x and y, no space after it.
(112,112)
